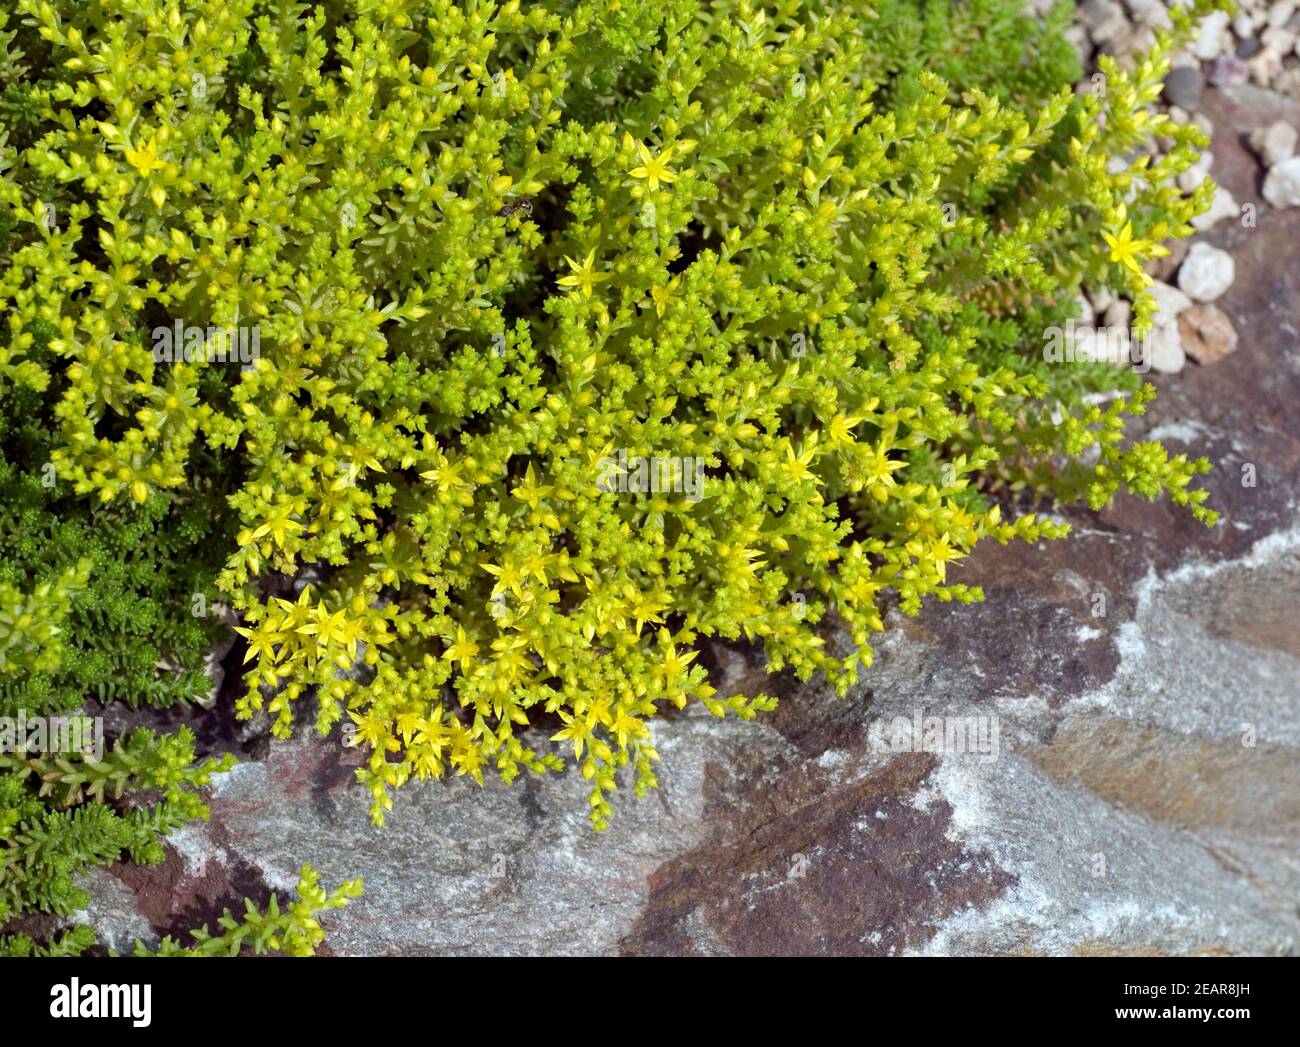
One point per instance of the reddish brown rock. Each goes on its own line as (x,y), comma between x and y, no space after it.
(852,870)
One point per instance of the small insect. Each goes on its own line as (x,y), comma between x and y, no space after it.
(522,206)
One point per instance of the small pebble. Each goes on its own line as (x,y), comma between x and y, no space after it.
(1228,70)
(1282,186)
(1101,298)
(1273,143)
(1169,302)
(1214,36)
(1104,20)
(1279,38)
(1265,66)
(1248,47)
(1183,86)
(1196,174)
(1078,36)
(1164,350)
(1206,272)
(1222,206)
(1207,333)
(1118,313)
(1288,82)
(1151,13)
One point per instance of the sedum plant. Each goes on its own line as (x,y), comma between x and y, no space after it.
(47,836)
(94,597)
(110,601)
(291,931)
(587,330)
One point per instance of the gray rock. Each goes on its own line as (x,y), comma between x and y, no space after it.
(1119,813)
(1247,48)
(1152,13)
(1183,86)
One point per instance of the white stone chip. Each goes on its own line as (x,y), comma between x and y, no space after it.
(1282,186)
(1273,143)
(1206,272)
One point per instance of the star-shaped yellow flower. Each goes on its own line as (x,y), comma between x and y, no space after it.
(530,491)
(664,293)
(1129,252)
(584,276)
(144,158)
(654,169)
(462,651)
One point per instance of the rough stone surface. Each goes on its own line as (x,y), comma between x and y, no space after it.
(1144,796)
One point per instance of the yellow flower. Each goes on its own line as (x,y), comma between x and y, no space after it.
(842,426)
(261,642)
(463,650)
(575,730)
(799,465)
(508,576)
(1129,252)
(880,472)
(663,294)
(584,275)
(145,158)
(278,527)
(447,474)
(327,628)
(654,169)
(530,491)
